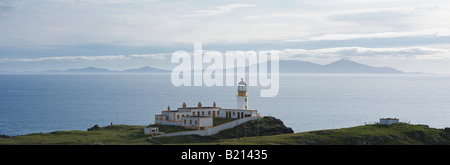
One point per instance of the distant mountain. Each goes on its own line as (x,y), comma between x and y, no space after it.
(295,66)
(146,69)
(348,66)
(89,70)
(286,66)
(340,66)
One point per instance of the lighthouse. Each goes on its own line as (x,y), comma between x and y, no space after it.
(242,98)
(201,117)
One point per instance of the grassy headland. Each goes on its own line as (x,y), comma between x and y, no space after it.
(375,134)
(266,131)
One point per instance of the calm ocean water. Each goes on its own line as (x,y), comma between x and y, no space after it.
(32,103)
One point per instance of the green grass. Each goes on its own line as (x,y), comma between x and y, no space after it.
(402,133)
(110,135)
(398,134)
(116,134)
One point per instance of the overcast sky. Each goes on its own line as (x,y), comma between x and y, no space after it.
(409,35)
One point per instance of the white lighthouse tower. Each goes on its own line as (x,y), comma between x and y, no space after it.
(242,98)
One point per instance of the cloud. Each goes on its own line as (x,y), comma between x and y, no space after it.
(87,58)
(374,15)
(150,56)
(219,10)
(355,15)
(420,33)
(365,23)
(104,1)
(363,52)
(65,58)
(415,52)
(282,15)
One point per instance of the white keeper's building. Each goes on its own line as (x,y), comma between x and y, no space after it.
(388,121)
(201,117)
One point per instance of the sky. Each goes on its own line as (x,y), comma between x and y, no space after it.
(36,35)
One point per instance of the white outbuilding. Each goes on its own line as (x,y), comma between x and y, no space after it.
(151,130)
(388,121)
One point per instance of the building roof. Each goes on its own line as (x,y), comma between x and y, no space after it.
(388,119)
(197,116)
(200,108)
(239,109)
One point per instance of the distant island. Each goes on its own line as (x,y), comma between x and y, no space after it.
(341,66)
(145,69)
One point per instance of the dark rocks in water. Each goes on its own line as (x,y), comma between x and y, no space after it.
(95,127)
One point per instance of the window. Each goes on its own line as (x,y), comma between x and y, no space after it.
(184,122)
(178,117)
(203,113)
(193,113)
(190,122)
(245,99)
(195,122)
(245,107)
(209,113)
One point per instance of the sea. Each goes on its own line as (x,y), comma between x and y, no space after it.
(41,103)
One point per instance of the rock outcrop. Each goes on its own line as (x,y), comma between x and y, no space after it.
(265,126)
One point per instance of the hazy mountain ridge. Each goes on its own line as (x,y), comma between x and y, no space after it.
(285,66)
(145,69)
(340,66)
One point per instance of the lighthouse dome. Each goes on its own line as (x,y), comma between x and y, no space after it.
(242,82)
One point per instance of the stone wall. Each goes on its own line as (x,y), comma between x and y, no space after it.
(213,130)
